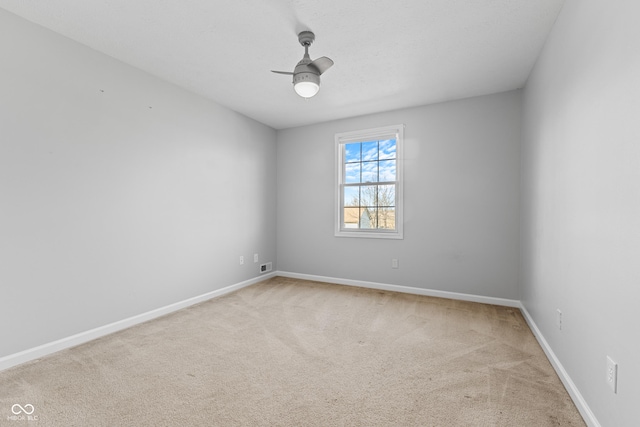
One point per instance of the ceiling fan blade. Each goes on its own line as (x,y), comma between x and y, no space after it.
(321,64)
(283,72)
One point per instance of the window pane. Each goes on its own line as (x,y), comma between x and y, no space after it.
(388,149)
(386,195)
(351,217)
(370,150)
(352,173)
(387,218)
(368,196)
(352,152)
(387,170)
(351,196)
(370,172)
(368,218)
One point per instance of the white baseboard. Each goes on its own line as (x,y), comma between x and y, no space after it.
(404,289)
(77,339)
(573,391)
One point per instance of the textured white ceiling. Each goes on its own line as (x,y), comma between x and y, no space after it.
(388,54)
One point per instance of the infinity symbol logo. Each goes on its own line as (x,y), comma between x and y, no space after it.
(27,409)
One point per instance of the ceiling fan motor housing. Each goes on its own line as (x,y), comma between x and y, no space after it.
(304,73)
(306,77)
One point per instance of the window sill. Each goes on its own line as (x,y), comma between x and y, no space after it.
(370,234)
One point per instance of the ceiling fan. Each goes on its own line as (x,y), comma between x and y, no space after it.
(306,75)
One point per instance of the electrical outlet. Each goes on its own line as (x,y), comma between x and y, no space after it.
(559,319)
(241,260)
(612,374)
(394,263)
(255,257)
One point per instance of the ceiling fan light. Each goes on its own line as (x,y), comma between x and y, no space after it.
(306,89)
(306,84)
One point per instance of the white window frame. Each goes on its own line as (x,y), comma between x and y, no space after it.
(396,131)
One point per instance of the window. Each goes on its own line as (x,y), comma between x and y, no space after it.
(369,183)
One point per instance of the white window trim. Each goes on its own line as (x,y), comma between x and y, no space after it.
(358,136)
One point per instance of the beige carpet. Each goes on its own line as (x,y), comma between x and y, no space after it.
(287,352)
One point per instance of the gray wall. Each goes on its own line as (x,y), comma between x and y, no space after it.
(581,200)
(119,193)
(461,200)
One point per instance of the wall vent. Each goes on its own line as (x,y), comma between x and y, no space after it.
(265,268)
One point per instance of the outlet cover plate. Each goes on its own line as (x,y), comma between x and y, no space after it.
(559,319)
(612,374)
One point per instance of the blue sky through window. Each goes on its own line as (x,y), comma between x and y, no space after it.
(370,161)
